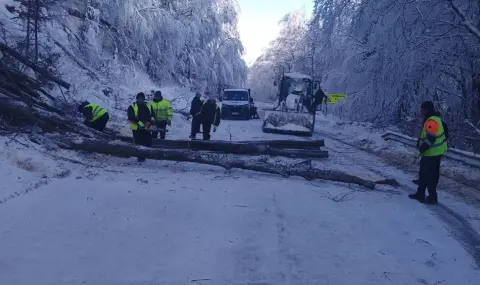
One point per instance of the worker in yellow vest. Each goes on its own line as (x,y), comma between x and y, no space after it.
(431,147)
(140,117)
(162,114)
(96,117)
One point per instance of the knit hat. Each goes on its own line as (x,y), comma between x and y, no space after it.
(428,106)
(81,106)
(158,94)
(198,94)
(141,95)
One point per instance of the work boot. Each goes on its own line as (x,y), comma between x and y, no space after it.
(417,196)
(430,200)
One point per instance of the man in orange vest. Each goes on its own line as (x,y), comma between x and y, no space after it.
(432,144)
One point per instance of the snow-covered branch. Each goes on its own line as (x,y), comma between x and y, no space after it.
(465,22)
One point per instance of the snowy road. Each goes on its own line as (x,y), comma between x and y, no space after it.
(177,223)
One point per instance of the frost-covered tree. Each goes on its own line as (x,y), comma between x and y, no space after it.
(32,13)
(389,56)
(191,42)
(179,40)
(288,52)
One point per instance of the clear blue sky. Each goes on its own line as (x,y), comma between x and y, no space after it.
(258,22)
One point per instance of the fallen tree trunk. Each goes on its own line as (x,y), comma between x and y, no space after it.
(39,70)
(121,149)
(213,145)
(24,115)
(30,101)
(240,147)
(253,149)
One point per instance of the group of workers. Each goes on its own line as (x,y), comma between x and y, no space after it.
(431,145)
(149,120)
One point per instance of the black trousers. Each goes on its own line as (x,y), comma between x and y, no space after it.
(143,138)
(99,124)
(429,175)
(206,131)
(160,125)
(196,122)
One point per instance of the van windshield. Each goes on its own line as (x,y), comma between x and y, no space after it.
(235,95)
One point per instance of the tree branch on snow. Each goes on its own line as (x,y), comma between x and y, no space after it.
(476,129)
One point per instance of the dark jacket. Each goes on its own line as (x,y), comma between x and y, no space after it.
(319,97)
(431,139)
(196,106)
(144,114)
(210,113)
(87,112)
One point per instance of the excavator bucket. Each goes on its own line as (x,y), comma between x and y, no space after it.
(288,123)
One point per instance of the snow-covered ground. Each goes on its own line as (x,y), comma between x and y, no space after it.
(73,218)
(369,138)
(359,147)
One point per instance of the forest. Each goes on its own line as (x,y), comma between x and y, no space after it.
(388,56)
(186,42)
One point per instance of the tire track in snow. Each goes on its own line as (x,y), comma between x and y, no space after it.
(35,186)
(38,184)
(290,262)
(458,226)
(252,264)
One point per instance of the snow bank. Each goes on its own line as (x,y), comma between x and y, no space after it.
(458,185)
(366,135)
(289,127)
(264,105)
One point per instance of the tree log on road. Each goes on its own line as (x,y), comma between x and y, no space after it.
(121,149)
(304,149)
(208,145)
(252,148)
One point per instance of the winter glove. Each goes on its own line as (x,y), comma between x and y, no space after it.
(169,123)
(141,125)
(214,129)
